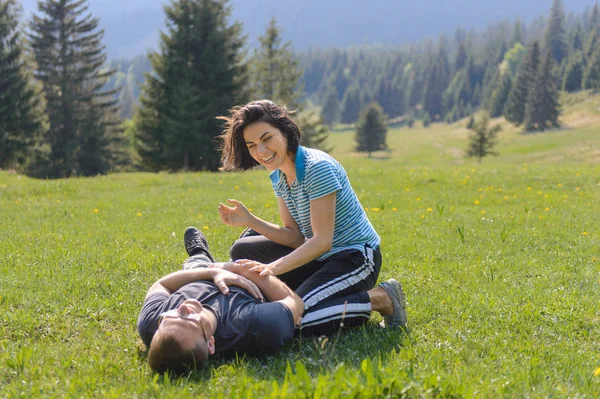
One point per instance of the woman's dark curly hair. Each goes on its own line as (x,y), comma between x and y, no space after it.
(234,153)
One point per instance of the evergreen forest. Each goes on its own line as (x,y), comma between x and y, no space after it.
(68,110)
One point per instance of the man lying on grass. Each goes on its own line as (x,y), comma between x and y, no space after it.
(193,313)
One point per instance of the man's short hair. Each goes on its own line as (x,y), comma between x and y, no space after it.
(167,353)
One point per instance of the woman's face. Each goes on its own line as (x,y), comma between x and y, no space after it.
(267,145)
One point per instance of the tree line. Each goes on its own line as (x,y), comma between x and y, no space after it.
(510,69)
(62,105)
(65,110)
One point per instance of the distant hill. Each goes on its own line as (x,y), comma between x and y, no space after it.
(132,26)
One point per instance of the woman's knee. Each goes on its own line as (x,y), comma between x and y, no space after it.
(241,250)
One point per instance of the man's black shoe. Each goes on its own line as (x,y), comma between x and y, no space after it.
(195,243)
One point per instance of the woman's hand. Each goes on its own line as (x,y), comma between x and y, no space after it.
(223,279)
(236,216)
(257,267)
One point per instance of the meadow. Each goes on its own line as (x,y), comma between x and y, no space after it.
(500,262)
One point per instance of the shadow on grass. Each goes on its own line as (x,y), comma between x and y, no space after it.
(319,355)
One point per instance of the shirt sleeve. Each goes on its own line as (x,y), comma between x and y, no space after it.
(322,179)
(274,326)
(148,319)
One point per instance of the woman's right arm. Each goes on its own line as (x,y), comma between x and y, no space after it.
(289,234)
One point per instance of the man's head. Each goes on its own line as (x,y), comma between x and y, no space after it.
(183,340)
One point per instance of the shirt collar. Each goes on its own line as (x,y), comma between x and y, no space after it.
(300,169)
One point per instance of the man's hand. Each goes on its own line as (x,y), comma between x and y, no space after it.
(223,279)
(237,216)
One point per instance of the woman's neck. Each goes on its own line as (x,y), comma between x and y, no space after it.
(289,169)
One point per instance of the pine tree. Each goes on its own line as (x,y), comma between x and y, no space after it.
(197,75)
(435,85)
(542,108)
(555,33)
(314,132)
(21,111)
(461,57)
(518,36)
(483,139)
(573,75)
(458,95)
(371,130)
(517,99)
(353,102)
(84,127)
(274,72)
(500,96)
(591,73)
(330,112)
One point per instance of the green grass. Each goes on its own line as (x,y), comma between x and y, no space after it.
(500,263)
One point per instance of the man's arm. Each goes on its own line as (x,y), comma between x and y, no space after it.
(272,288)
(219,275)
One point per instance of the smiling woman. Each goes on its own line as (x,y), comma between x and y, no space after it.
(326,248)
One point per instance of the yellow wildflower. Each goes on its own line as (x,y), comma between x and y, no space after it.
(597,372)
(418,199)
(394,209)
(237,187)
(96,210)
(480,189)
(429,210)
(17,202)
(594,259)
(547,209)
(541,217)
(566,196)
(58,201)
(139,214)
(506,198)
(267,205)
(546,196)
(375,209)
(205,227)
(407,189)
(577,189)
(559,185)
(528,188)
(539,192)
(584,233)
(476,202)
(483,212)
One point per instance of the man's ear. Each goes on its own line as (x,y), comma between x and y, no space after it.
(211,345)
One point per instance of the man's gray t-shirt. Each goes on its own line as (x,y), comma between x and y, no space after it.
(244,324)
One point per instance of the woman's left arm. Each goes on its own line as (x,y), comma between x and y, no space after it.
(322,220)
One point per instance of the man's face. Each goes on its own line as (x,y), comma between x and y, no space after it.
(190,324)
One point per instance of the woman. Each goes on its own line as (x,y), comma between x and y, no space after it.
(326,246)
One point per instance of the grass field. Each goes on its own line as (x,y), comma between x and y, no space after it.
(500,262)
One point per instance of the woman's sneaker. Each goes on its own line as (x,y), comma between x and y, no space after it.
(195,243)
(394,290)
